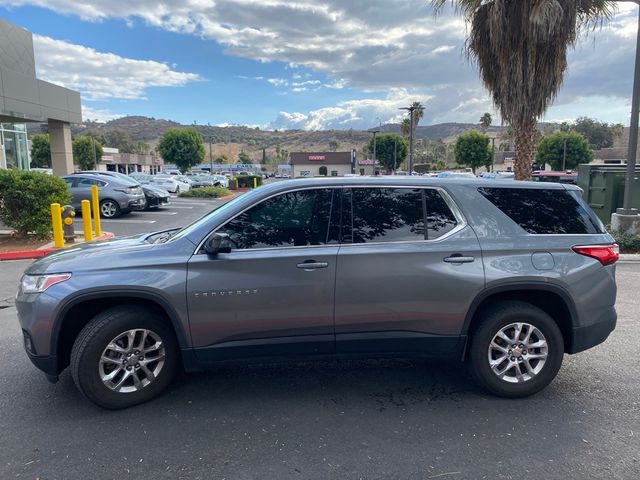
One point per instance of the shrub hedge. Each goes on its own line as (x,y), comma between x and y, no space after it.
(205,192)
(26,198)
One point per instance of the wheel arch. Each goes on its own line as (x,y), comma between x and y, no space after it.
(77,312)
(552,299)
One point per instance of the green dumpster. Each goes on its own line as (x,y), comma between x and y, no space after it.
(603,188)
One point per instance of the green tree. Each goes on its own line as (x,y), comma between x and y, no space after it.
(40,151)
(551,150)
(87,152)
(221,159)
(485,121)
(598,134)
(244,158)
(386,145)
(520,48)
(472,150)
(333,145)
(183,147)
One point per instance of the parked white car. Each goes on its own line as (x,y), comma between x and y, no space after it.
(170,183)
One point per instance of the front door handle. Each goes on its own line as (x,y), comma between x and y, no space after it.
(457,258)
(309,265)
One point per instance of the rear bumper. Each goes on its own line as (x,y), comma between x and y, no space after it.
(594,334)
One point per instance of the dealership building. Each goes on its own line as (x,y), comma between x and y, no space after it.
(322,164)
(24,98)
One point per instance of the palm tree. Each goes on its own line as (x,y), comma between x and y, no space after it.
(485,121)
(418,113)
(405,127)
(520,47)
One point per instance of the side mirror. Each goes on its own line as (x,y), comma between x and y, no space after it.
(218,243)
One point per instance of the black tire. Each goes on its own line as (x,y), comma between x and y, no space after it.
(110,206)
(92,342)
(493,320)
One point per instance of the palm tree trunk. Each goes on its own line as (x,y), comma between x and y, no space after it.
(524,150)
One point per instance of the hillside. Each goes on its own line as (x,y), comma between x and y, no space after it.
(232,140)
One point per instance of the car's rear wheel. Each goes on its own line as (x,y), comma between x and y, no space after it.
(124,356)
(516,350)
(109,208)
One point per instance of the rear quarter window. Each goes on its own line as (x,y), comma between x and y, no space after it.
(544,211)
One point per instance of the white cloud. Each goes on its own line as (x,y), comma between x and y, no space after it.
(360,113)
(371,45)
(98,115)
(99,75)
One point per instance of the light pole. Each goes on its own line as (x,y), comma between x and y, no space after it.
(210,155)
(411,109)
(373,172)
(627,219)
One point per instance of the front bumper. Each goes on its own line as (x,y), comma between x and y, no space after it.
(589,336)
(49,365)
(137,204)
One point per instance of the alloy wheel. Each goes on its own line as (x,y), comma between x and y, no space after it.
(518,352)
(132,360)
(108,209)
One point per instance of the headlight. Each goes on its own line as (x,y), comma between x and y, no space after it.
(39,283)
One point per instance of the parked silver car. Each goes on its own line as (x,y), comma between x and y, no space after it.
(116,197)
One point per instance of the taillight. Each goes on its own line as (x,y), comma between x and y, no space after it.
(605,254)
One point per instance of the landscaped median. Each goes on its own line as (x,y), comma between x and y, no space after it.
(27,201)
(15,248)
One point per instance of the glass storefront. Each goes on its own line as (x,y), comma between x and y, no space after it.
(13,141)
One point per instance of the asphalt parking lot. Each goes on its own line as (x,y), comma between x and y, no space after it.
(365,419)
(180,212)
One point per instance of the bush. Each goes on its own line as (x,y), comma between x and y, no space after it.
(246,181)
(206,192)
(26,198)
(627,242)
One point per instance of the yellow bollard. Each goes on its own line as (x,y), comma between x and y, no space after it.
(86,220)
(56,223)
(96,210)
(255,182)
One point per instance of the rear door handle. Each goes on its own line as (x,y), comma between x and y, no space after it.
(457,258)
(311,265)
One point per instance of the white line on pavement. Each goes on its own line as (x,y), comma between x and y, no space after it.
(164,213)
(115,220)
(178,206)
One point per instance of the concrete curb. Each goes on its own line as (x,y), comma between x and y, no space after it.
(42,251)
(630,257)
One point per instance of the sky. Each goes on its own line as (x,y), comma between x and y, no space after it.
(295,64)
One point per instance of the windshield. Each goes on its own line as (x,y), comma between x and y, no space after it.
(210,217)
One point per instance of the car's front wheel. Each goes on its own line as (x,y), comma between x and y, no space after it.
(124,356)
(109,208)
(516,350)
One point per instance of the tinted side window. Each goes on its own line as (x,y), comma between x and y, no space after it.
(440,218)
(541,211)
(87,182)
(291,219)
(386,215)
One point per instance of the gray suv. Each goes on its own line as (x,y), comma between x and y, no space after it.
(506,276)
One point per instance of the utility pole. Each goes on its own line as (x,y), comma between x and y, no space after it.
(210,155)
(627,218)
(411,109)
(373,173)
(395,155)
(95,160)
